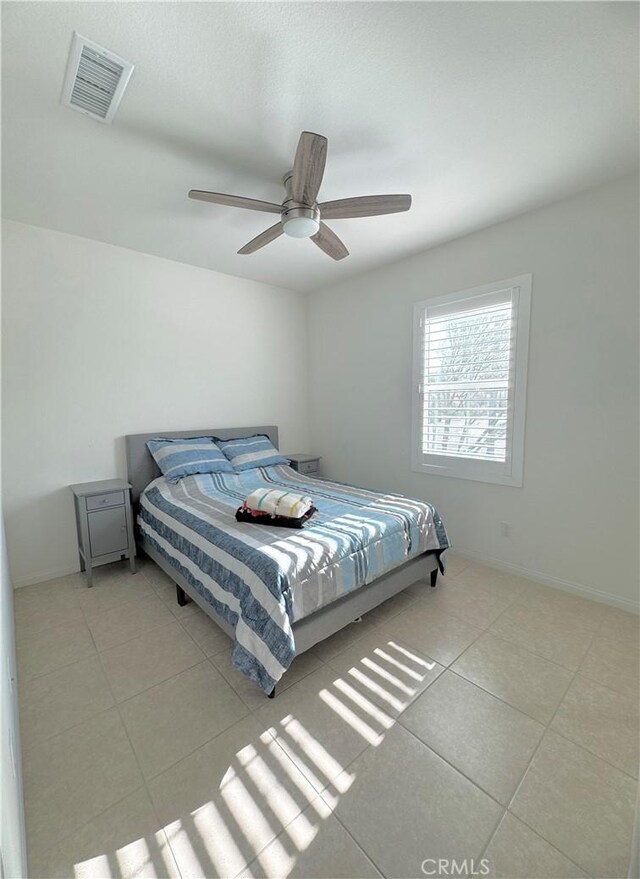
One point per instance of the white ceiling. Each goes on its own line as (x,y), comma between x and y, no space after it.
(479,110)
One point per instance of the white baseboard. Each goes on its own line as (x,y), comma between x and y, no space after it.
(42,577)
(557,583)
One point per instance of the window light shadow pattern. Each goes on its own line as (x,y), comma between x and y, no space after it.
(248,802)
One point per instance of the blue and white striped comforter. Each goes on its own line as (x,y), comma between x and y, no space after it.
(261,579)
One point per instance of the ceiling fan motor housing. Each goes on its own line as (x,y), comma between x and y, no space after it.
(298,220)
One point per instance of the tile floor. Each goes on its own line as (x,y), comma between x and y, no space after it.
(489,718)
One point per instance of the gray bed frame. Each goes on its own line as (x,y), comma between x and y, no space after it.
(142,469)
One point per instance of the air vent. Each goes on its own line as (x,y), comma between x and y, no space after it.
(95,80)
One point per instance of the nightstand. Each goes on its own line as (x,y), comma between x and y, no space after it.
(308,464)
(105,523)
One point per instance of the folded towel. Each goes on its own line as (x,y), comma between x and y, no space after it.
(245,515)
(276,502)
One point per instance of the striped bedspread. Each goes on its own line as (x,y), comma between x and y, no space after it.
(259,579)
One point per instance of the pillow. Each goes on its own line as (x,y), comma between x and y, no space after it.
(251,452)
(177,458)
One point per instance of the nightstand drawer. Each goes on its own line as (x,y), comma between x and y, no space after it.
(108,530)
(307,467)
(109,499)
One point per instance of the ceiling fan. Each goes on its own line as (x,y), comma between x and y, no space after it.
(300,214)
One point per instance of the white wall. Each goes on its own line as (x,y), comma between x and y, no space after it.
(100,341)
(576,518)
(12,836)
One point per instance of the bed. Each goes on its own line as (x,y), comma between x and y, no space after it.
(278,592)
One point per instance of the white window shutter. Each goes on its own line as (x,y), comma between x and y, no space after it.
(467,362)
(470,367)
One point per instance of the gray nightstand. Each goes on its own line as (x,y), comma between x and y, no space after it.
(308,464)
(105,523)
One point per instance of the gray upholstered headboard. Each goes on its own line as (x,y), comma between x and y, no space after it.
(142,469)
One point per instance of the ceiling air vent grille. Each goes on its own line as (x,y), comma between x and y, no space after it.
(95,80)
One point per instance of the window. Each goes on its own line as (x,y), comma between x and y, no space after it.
(470,375)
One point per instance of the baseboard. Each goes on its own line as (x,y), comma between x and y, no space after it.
(42,577)
(555,582)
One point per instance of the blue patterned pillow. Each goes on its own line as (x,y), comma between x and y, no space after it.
(177,458)
(251,452)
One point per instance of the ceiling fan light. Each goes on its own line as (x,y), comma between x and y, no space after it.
(301,227)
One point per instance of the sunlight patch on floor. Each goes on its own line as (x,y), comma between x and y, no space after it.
(365,704)
(375,688)
(94,868)
(350,717)
(263,796)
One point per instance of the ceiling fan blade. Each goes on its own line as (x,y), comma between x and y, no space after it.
(329,242)
(236,201)
(364,206)
(263,238)
(308,167)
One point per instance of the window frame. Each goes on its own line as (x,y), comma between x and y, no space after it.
(511,471)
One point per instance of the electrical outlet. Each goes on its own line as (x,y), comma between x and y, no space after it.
(505,529)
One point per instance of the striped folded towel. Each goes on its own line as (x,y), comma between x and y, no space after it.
(276,502)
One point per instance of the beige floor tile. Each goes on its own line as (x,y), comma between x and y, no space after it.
(110,593)
(166,590)
(528,682)
(126,621)
(583,613)
(74,776)
(487,740)
(383,675)
(550,634)
(615,664)
(143,562)
(319,727)
(31,618)
(234,799)
(392,607)
(102,574)
(48,649)
(177,716)
(57,701)
(149,659)
(499,582)
(620,626)
(77,580)
(455,563)
(421,588)
(478,605)
(435,634)
(44,607)
(222,804)
(602,721)
(516,852)
(208,635)
(252,695)
(580,804)
(157,576)
(314,846)
(52,594)
(124,842)
(402,803)
(185,611)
